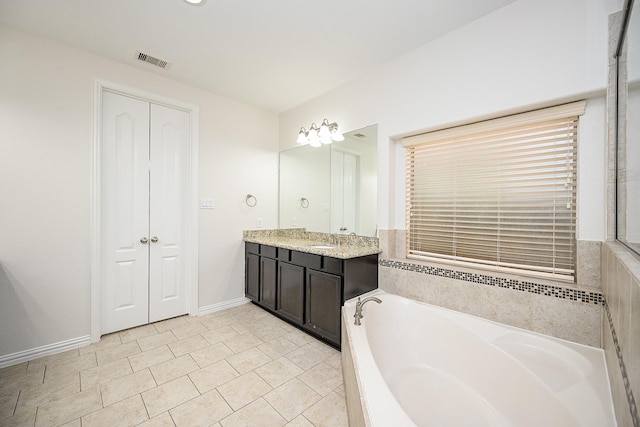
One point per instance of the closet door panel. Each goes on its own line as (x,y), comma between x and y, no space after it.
(170,135)
(125,212)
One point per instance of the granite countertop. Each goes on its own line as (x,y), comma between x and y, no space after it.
(300,240)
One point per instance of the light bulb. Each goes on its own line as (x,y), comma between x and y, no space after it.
(302,137)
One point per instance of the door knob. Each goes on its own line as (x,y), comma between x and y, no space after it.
(144,240)
(154,239)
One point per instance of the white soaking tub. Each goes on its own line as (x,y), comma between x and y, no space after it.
(410,363)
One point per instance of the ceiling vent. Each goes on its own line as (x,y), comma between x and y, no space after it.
(360,135)
(152,60)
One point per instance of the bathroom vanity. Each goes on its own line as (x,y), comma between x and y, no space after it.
(305,280)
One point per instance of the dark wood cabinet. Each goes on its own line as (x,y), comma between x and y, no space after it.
(323,303)
(268,282)
(252,276)
(291,291)
(305,289)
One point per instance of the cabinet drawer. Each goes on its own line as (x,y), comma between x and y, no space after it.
(284,254)
(332,265)
(306,260)
(252,248)
(268,251)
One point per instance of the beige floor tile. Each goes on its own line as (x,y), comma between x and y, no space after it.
(129,412)
(8,404)
(150,358)
(162,420)
(334,361)
(216,322)
(49,392)
(242,342)
(279,371)
(69,366)
(127,386)
(19,368)
(292,398)
(65,355)
(68,409)
(73,423)
(340,391)
(106,341)
(258,413)
(300,421)
(158,340)
(22,379)
(173,369)
(189,330)
(137,333)
(277,347)
(188,345)
(322,378)
(211,354)
(299,338)
(331,411)
(111,354)
(243,390)
(104,373)
(202,411)
(270,332)
(167,325)
(213,376)
(246,326)
(169,395)
(220,334)
(24,418)
(248,360)
(308,356)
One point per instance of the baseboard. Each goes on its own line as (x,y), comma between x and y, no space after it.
(45,350)
(222,306)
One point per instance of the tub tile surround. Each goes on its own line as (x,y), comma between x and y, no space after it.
(254,369)
(621,329)
(569,312)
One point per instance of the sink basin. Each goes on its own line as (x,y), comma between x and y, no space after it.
(322,246)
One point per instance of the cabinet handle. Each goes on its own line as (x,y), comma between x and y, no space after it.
(144,240)
(154,239)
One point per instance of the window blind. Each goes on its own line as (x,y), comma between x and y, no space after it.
(500,193)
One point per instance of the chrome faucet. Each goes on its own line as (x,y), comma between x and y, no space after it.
(359,304)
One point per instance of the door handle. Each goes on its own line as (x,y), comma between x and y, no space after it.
(154,239)
(144,240)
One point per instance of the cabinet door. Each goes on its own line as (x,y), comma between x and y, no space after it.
(268,275)
(252,276)
(323,301)
(291,291)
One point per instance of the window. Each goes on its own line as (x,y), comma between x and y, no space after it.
(499,194)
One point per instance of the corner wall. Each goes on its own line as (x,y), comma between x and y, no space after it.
(46,110)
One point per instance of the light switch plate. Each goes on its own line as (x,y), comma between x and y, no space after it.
(207,203)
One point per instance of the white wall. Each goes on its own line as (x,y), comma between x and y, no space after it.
(46,102)
(531,53)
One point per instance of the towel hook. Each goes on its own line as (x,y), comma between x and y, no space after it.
(304,202)
(251,200)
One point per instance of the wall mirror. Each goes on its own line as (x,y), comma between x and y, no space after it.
(332,188)
(628,130)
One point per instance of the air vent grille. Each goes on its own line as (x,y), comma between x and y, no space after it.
(360,135)
(152,60)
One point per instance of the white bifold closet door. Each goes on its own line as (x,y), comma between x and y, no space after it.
(144,188)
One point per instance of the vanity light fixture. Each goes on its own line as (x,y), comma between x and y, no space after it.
(195,2)
(325,134)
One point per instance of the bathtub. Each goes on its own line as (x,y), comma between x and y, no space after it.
(410,363)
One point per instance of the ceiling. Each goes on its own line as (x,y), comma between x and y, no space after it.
(271,54)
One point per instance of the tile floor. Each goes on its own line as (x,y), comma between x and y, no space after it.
(237,367)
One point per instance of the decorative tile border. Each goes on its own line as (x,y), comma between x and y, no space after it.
(517,285)
(623,369)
